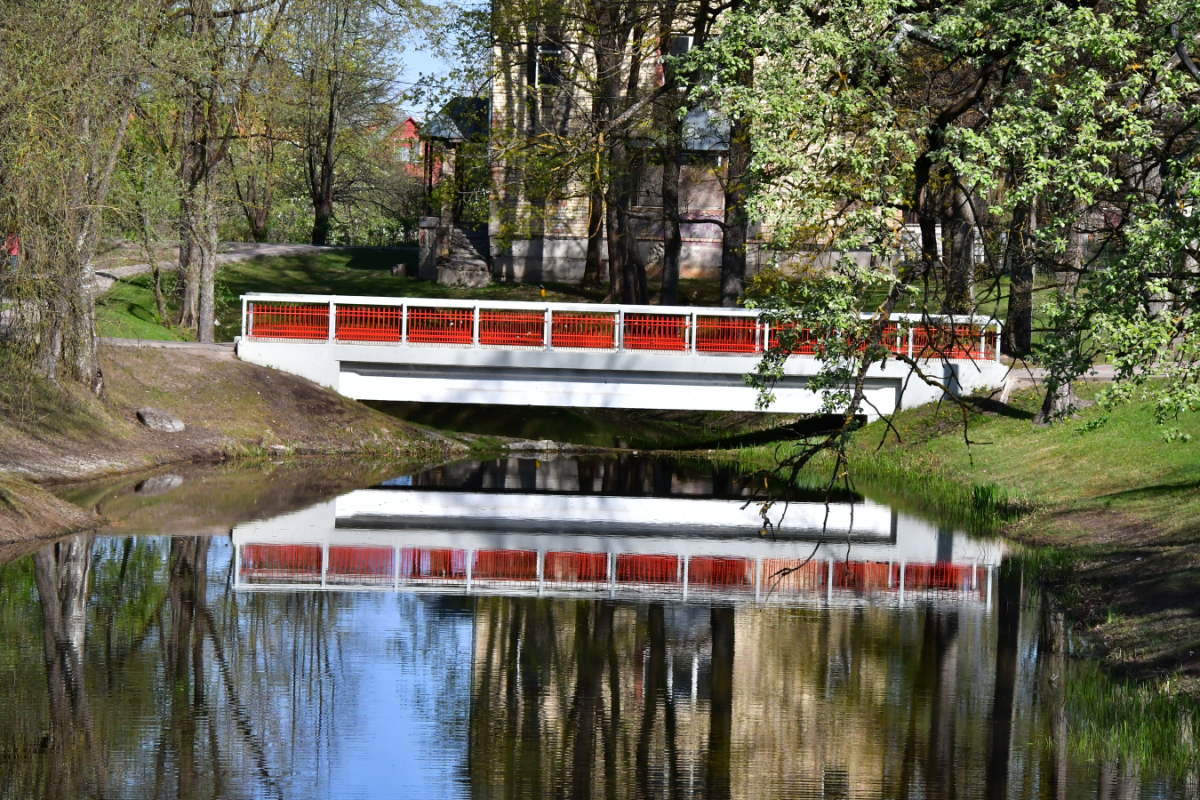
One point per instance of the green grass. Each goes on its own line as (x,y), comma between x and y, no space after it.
(128,309)
(1119,465)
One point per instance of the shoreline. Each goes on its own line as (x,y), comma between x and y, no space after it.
(232,412)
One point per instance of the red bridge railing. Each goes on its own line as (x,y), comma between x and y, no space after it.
(657,574)
(561,326)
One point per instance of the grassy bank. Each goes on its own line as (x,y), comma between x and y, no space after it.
(128,309)
(231,410)
(1114,506)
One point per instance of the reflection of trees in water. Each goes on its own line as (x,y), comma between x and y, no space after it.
(573,699)
(160,682)
(61,573)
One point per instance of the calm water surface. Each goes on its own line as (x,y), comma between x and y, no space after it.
(529,629)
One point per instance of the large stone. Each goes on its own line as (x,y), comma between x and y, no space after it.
(158,484)
(159,421)
(463,276)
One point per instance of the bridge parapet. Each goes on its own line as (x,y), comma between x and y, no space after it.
(406,321)
(434,350)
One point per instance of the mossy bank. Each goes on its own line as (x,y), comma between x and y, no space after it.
(1110,508)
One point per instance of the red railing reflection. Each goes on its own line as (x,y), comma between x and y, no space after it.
(587,571)
(505,566)
(281,563)
(361,565)
(712,572)
(647,569)
(422,564)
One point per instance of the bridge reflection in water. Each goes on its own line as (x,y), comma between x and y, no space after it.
(539,535)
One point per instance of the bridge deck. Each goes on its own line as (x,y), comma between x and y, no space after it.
(441,350)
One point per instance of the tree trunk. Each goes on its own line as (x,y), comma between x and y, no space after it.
(1060,400)
(1018,327)
(958,228)
(595,242)
(1008,625)
(616,253)
(322,212)
(721,706)
(669,151)
(672,241)
(737,223)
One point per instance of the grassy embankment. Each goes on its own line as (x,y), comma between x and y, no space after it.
(128,309)
(1114,507)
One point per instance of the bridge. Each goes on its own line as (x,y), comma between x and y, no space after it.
(586,356)
(684,549)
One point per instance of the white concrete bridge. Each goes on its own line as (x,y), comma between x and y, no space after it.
(585,356)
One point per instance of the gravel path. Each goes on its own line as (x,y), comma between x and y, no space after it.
(230,252)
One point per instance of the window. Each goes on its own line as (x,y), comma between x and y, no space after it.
(681,45)
(549,65)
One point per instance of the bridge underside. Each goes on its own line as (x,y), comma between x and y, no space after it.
(584,379)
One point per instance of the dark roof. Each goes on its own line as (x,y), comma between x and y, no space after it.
(462,119)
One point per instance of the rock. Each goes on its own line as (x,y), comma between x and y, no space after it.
(158,484)
(463,276)
(544,446)
(159,421)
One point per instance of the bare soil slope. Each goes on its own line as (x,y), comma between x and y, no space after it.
(230,409)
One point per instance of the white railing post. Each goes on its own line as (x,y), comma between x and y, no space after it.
(396,568)
(470,558)
(547,329)
(243,317)
(332,319)
(910,341)
(758,579)
(475,330)
(694,332)
(999,333)
(324,562)
(612,575)
(982,342)
(685,577)
(901,583)
(620,337)
(829,582)
(759,342)
(237,566)
(541,580)
(404,324)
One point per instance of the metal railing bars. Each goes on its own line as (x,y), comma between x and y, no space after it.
(408,321)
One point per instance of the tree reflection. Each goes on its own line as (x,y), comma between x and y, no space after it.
(61,573)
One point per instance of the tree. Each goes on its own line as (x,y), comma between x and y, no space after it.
(72,71)
(222,50)
(1077,117)
(342,62)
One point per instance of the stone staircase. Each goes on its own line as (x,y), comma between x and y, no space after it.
(469,262)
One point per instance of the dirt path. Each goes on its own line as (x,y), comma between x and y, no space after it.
(230,252)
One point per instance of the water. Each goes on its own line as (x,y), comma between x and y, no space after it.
(528,628)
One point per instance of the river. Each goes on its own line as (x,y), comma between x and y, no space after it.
(533,628)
